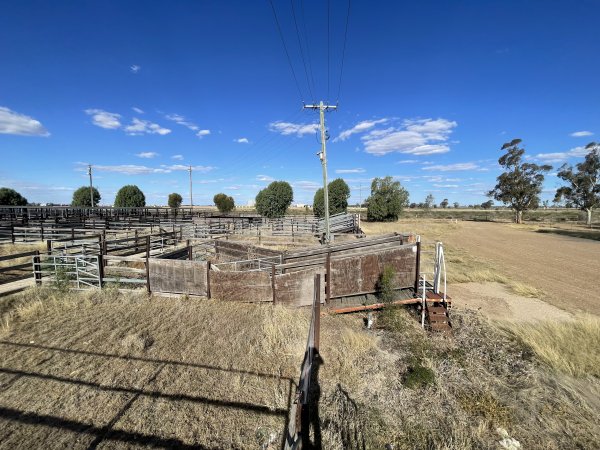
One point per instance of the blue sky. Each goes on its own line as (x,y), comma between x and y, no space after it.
(430,91)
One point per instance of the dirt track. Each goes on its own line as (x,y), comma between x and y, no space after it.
(566,268)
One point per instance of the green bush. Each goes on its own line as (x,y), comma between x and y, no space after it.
(130,196)
(275,199)
(224,202)
(175,200)
(418,376)
(10,197)
(81,197)
(387,200)
(339,193)
(385,285)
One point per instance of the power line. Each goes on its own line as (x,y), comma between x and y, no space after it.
(343,52)
(307,47)
(301,51)
(328,46)
(286,51)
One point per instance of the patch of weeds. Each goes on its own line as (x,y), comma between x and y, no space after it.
(457,355)
(62,278)
(486,405)
(418,376)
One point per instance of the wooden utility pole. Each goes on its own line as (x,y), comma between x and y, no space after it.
(323,157)
(191,198)
(91,186)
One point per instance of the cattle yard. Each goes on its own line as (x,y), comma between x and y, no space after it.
(229,258)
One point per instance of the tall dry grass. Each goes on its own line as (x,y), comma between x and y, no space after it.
(570,347)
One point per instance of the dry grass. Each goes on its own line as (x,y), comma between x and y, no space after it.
(571,347)
(196,372)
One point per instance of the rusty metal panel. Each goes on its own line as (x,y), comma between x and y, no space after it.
(177,277)
(296,288)
(241,286)
(360,274)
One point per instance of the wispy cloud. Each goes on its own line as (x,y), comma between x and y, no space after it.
(453,167)
(582,133)
(177,157)
(148,155)
(264,178)
(407,161)
(415,137)
(137,110)
(12,122)
(104,119)
(306,185)
(182,121)
(135,68)
(556,157)
(135,169)
(202,133)
(174,167)
(288,128)
(242,140)
(139,127)
(360,127)
(359,170)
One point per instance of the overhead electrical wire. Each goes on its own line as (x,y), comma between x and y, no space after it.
(310,91)
(343,52)
(307,47)
(286,50)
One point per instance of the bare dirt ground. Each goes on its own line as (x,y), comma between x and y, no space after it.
(565,268)
(496,302)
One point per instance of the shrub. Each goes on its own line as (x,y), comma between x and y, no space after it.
(385,285)
(175,200)
(387,200)
(224,202)
(130,196)
(10,197)
(275,199)
(81,197)
(339,193)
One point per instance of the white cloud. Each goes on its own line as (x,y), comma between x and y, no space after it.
(202,133)
(264,178)
(202,169)
(12,122)
(446,185)
(182,121)
(147,155)
(453,167)
(359,170)
(414,137)
(104,119)
(359,128)
(138,127)
(408,161)
(306,185)
(556,157)
(288,128)
(130,169)
(242,140)
(177,157)
(581,133)
(133,169)
(135,68)
(138,110)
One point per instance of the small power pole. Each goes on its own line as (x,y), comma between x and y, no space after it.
(323,157)
(191,198)
(91,186)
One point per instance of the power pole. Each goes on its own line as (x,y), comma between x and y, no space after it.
(91,186)
(191,198)
(323,157)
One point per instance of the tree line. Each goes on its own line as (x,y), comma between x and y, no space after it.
(519,187)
